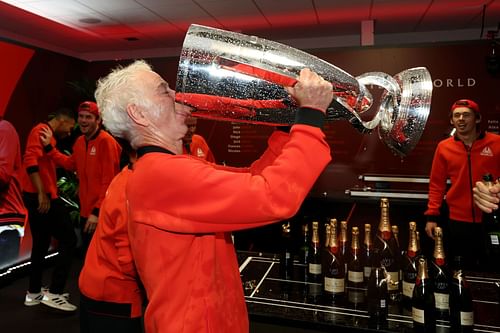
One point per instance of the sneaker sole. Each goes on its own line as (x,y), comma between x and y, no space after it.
(57,307)
(31,303)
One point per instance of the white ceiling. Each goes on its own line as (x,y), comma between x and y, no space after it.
(65,26)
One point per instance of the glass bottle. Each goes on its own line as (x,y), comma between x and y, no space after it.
(286,256)
(409,264)
(343,244)
(491,222)
(398,255)
(461,310)
(377,298)
(355,271)
(334,278)
(367,252)
(314,262)
(304,247)
(386,250)
(439,274)
(423,315)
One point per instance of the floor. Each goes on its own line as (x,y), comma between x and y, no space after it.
(15,317)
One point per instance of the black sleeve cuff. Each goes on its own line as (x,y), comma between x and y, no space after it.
(285,129)
(433,218)
(48,148)
(95,211)
(311,117)
(32,169)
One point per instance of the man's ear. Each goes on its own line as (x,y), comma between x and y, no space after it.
(136,114)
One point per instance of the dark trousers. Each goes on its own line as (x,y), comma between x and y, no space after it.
(9,248)
(465,241)
(55,223)
(105,317)
(86,237)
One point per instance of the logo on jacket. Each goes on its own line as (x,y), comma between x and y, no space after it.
(486,151)
(93,151)
(200,153)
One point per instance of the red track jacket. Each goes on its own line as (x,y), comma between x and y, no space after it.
(12,210)
(108,273)
(199,148)
(181,211)
(464,168)
(96,162)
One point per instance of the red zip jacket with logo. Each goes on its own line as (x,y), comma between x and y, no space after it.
(96,162)
(12,210)
(464,167)
(199,148)
(108,273)
(181,211)
(35,159)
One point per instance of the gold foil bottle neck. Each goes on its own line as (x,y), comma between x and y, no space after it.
(343,231)
(328,234)
(285,227)
(315,234)
(305,229)
(438,247)
(333,226)
(422,269)
(333,239)
(355,238)
(395,232)
(412,243)
(384,226)
(368,236)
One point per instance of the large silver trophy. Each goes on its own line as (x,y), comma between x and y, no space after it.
(230,76)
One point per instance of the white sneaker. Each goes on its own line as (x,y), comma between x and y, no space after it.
(33,298)
(46,290)
(57,301)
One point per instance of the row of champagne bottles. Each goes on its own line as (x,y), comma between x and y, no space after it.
(381,264)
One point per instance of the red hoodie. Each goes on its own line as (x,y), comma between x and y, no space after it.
(181,212)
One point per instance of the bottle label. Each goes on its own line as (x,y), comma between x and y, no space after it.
(383,304)
(494,239)
(368,271)
(355,277)
(334,285)
(392,281)
(442,301)
(408,289)
(287,255)
(417,315)
(466,318)
(315,269)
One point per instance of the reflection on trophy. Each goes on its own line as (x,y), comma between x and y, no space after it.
(230,76)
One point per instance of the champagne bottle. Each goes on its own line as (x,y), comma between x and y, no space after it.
(397,257)
(344,246)
(377,298)
(314,262)
(286,257)
(409,264)
(440,276)
(423,315)
(491,222)
(367,253)
(334,278)
(355,270)
(386,251)
(304,253)
(461,311)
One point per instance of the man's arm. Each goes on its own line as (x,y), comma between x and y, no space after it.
(437,190)
(486,198)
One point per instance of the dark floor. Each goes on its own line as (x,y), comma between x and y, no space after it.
(15,317)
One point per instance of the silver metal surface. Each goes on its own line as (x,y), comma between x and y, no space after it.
(231,76)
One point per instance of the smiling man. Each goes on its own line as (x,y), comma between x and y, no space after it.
(463,158)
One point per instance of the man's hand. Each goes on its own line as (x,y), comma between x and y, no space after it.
(91,224)
(312,91)
(429,229)
(43,203)
(45,136)
(486,198)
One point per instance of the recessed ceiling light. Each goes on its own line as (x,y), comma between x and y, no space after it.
(90,20)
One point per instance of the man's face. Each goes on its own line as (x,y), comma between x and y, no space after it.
(191,125)
(166,120)
(88,122)
(464,120)
(66,125)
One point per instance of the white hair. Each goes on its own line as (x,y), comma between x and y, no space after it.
(114,93)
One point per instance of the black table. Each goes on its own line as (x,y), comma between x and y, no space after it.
(294,305)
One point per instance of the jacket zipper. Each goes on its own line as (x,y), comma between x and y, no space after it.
(470,180)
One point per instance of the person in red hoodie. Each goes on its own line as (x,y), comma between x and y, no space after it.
(182,209)
(463,158)
(195,144)
(96,160)
(48,216)
(12,210)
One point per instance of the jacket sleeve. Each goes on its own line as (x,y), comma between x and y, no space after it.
(8,151)
(110,166)
(33,150)
(194,197)
(437,185)
(62,160)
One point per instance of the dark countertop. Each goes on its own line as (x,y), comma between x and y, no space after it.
(288,302)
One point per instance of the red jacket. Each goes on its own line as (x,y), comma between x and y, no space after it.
(199,148)
(35,159)
(108,273)
(96,162)
(181,210)
(12,210)
(464,168)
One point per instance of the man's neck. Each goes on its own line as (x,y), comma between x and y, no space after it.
(469,138)
(89,136)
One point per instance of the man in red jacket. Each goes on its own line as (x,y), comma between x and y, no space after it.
(182,209)
(96,160)
(48,216)
(195,144)
(463,158)
(12,210)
